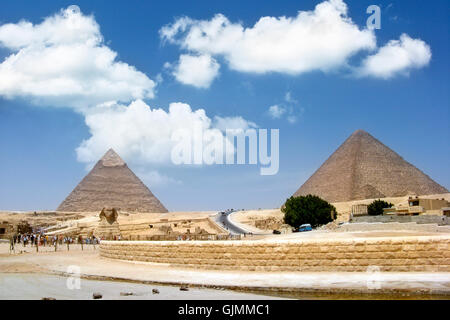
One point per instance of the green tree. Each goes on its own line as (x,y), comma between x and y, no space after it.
(308,209)
(377,206)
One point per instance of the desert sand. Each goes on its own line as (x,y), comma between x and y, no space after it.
(249,217)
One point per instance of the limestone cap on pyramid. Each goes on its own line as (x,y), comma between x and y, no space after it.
(112,159)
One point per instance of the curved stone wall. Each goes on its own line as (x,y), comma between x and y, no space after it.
(417,254)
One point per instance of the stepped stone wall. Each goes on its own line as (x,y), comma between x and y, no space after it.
(417,254)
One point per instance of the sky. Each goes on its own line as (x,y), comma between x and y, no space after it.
(77,78)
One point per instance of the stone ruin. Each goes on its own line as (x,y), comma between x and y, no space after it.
(6,230)
(285,229)
(270,223)
(168,230)
(108,226)
(109,215)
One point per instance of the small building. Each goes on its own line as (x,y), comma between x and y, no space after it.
(427,204)
(445,211)
(420,206)
(359,210)
(6,230)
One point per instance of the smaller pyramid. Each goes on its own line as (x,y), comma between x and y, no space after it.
(364,168)
(111,184)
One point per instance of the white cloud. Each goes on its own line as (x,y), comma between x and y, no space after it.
(288,98)
(396,57)
(276,111)
(292,119)
(288,110)
(144,134)
(321,39)
(155,178)
(64,62)
(198,71)
(231,123)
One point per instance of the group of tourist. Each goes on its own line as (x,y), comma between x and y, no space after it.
(38,239)
(32,239)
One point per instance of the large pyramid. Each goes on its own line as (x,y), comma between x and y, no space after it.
(364,168)
(111,184)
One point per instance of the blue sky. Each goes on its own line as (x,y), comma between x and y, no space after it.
(408,110)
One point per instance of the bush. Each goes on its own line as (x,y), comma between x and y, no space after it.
(376,207)
(308,209)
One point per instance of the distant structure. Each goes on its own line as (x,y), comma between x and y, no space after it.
(364,168)
(6,230)
(108,227)
(111,184)
(359,210)
(419,206)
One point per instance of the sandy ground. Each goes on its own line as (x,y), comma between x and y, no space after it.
(343,208)
(72,219)
(20,249)
(67,221)
(239,218)
(179,222)
(294,284)
(243,219)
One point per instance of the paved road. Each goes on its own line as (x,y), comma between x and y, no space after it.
(224,221)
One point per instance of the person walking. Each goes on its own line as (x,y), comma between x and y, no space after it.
(11,244)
